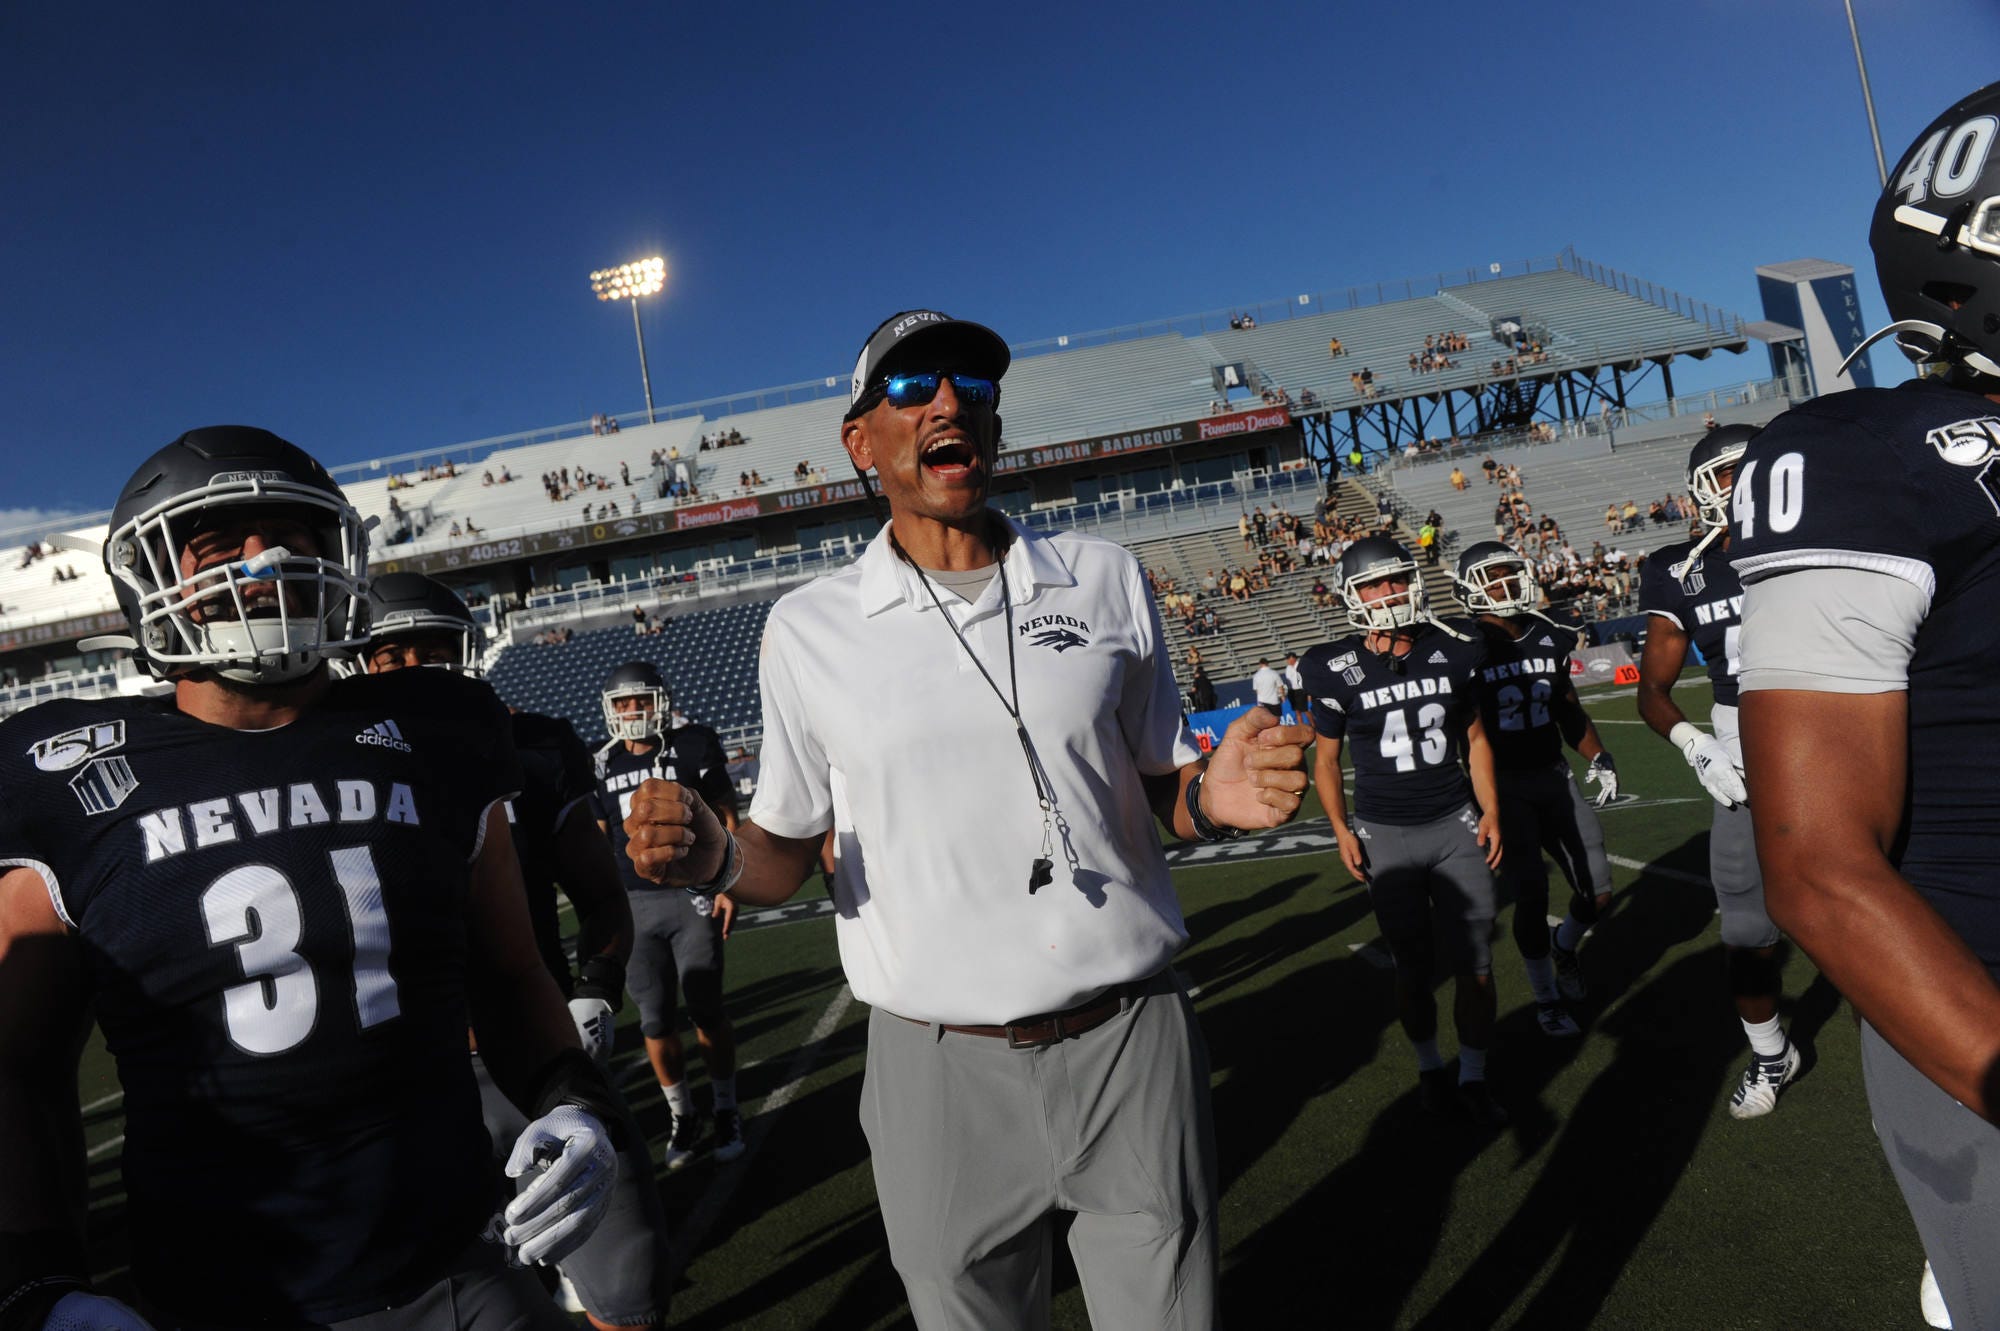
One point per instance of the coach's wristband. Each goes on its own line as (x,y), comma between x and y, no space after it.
(725,876)
(1204,830)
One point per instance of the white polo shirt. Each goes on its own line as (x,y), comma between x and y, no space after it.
(877,724)
(1268,686)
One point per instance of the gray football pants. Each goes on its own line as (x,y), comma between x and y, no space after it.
(620,1272)
(975,1145)
(1946,1160)
(1432,892)
(1543,810)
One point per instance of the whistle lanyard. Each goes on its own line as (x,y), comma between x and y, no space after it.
(1042,872)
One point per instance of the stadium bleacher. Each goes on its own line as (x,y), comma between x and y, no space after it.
(709,660)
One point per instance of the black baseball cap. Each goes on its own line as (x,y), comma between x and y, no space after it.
(926,340)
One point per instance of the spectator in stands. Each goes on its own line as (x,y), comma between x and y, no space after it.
(471,530)
(505,475)
(1356,463)
(1269,687)
(1249,321)
(1490,467)
(743,480)
(1211,624)
(1354,380)
(1308,398)
(1367,382)
(1656,513)
(456,533)
(1458,481)
(1262,522)
(1415,364)
(1201,691)
(1629,516)
(1242,529)
(1612,523)
(756,480)
(1322,594)
(1334,347)
(1427,542)
(486,479)
(1239,586)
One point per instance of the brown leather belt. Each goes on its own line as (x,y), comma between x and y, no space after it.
(1053,1027)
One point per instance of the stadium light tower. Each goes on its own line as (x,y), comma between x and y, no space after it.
(629,281)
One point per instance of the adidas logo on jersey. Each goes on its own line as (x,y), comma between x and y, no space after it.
(385,735)
(1439,658)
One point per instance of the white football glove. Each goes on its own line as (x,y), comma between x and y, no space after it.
(93,1312)
(1604,772)
(558,1211)
(1711,762)
(595,1026)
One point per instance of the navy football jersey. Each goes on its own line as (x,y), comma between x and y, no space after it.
(558,773)
(690,754)
(1906,481)
(1403,729)
(1707,602)
(1519,686)
(274,924)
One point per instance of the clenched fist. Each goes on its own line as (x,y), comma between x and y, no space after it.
(1256,776)
(672,837)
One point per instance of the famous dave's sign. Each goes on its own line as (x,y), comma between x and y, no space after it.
(716,513)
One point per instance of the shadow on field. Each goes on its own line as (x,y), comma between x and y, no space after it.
(1358,1243)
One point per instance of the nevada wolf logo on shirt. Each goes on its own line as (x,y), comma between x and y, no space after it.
(1061,632)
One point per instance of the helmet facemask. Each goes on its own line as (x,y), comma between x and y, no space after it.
(1709,490)
(268,619)
(1398,610)
(1476,586)
(400,625)
(637,724)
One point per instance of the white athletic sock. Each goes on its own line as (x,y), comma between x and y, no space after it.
(724,1089)
(1767,1038)
(1570,933)
(1428,1057)
(1471,1064)
(1542,979)
(679,1099)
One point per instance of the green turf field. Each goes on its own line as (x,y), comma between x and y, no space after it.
(1623,1196)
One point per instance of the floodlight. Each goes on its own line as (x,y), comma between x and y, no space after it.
(629,281)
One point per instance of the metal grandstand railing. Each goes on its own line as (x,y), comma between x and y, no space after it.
(1664,298)
(1123,518)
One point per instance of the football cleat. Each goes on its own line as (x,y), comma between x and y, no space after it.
(1569,975)
(681,1146)
(1480,1104)
(726,1138)
(1757,1094)
(1556,1022)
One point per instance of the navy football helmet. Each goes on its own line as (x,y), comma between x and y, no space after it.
(266,619)
(1371,559)
(1486,563)
(403,604)
(635,679)
(1936,238)
(1714,453)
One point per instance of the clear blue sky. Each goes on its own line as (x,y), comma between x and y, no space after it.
(368,227)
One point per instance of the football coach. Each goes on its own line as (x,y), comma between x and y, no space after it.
(988,721)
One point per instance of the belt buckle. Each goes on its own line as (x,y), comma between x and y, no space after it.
(1015,1041)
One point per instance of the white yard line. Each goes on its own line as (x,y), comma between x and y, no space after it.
(687,1240)
(104,1147)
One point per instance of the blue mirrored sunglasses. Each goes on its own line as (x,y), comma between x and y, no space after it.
(916,390)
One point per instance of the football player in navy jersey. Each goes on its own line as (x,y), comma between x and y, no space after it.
(619,1276)
(284,898)
(680,934)
(1403,697)
(1529,709)
(1691,595)
(1866,528)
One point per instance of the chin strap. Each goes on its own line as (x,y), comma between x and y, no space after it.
(1679,570)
